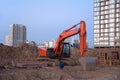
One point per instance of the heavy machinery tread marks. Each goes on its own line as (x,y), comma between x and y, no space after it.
(50,53)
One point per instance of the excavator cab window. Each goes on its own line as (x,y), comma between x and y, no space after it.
(66,50)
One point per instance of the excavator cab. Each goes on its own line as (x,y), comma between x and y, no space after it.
(66,50)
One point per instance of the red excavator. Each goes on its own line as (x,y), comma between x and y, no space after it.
(61,48)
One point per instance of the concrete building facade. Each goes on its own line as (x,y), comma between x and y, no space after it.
(17,35)
(106,23)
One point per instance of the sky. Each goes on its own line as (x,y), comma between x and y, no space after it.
(45,19)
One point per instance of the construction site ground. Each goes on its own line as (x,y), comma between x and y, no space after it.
(55,73)
(10,56)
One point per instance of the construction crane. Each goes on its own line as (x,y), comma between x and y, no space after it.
(61,48)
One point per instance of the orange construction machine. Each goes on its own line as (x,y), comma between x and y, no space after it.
(61,48)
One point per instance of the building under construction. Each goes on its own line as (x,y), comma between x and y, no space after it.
(106,23)
(107,31)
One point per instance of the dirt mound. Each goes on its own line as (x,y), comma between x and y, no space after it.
(9,54)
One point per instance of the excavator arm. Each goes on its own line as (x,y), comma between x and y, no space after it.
(63,49)
(68,33)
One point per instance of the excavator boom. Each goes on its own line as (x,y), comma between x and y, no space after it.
(70,32)
(60,47)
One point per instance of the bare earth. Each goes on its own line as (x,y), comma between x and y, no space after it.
(54,73)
